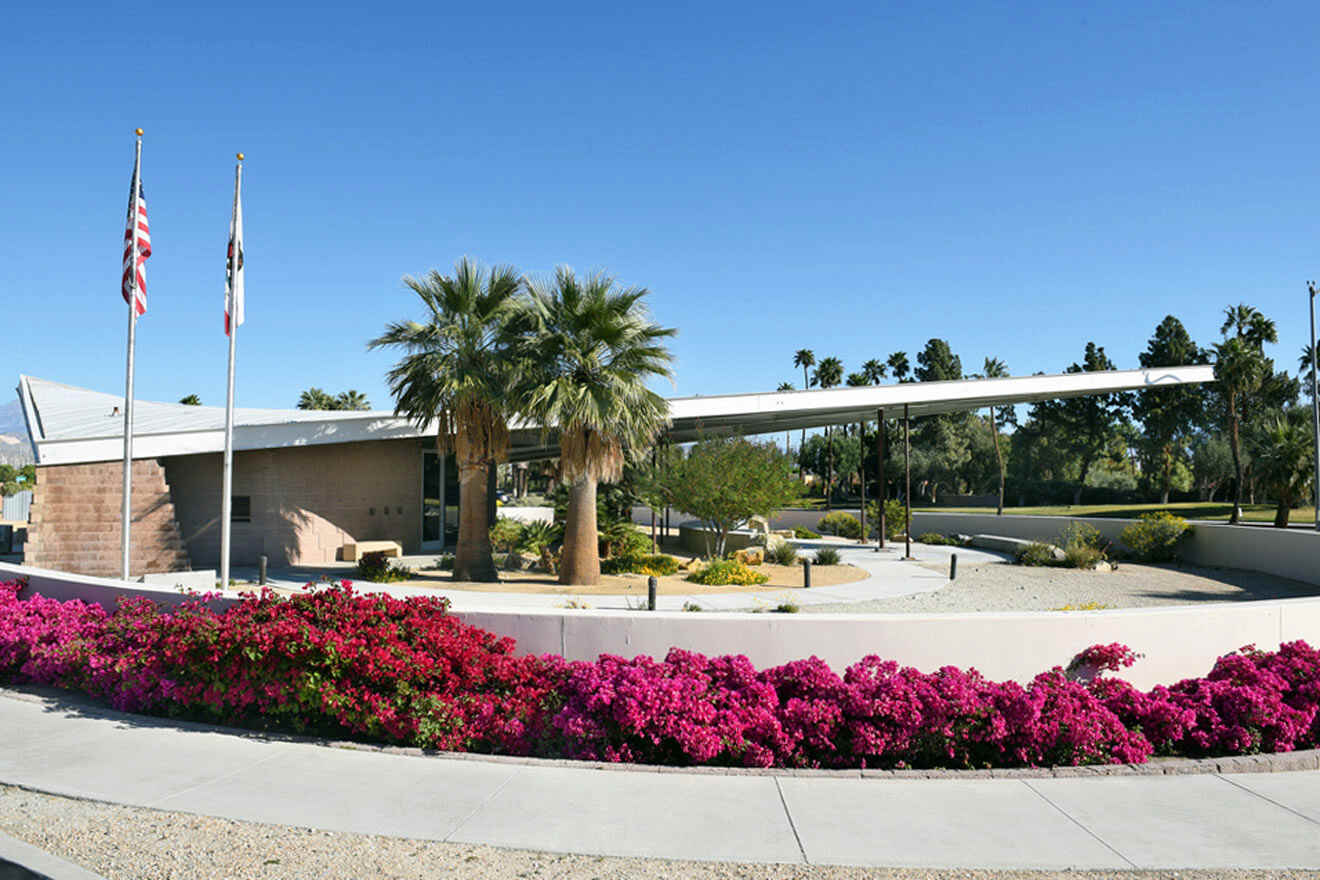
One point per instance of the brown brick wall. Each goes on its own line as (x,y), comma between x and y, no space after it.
(307,501)
(75,520)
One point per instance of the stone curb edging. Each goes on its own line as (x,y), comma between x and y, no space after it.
(1278,762)
(20,859)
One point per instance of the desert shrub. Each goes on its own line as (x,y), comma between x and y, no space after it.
(623,539)
(538,534)
(376,567)
(826,556)
(782,553)
(786,608)
(1080,534)
(727,571)
(657,564)
(895,518)
(936,538)
(1035,554)
(1155,537)
(1081,556)
(692,606)
(444,562)
(506,534)
(840,524)
(804,534)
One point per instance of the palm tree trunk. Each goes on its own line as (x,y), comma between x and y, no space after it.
(829,469)
(999,454)
(472,558)
(580,563)
(1282,512)
(806,382)
(1236,516)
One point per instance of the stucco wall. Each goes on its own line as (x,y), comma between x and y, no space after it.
(307,501)
(1290,553)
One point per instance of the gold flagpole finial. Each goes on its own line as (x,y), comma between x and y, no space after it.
(139,132)
(240,157)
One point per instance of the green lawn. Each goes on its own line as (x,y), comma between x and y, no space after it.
(1212,510)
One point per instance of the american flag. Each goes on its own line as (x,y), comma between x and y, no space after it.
(137,213)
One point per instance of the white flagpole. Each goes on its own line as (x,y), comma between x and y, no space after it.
(126,512)
(231,310)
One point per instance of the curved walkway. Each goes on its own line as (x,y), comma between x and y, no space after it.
(1258,820)
(888,576)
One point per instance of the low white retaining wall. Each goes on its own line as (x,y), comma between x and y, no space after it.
(1177,641)
(1290,553)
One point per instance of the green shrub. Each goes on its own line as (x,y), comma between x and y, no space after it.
(840,524)
(1082,556)
(727,571)
(623,539)
(538,534)
(936,538)
(1035,554)
(692,606)
(658,565)
(375,567)
(782,553)
(786,608)
(444,562)
(505,534)
(895,518)
(826,556)
(804,534)
(1080,534)
(1155,537)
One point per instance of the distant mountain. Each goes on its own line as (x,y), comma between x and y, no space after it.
(15,445)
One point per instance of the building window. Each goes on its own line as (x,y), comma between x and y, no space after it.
(240,508)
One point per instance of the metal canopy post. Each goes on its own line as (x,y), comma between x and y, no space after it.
(880,467)
(1315,406)
(907,483)
(861,440)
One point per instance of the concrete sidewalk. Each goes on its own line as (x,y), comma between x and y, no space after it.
(1206,821)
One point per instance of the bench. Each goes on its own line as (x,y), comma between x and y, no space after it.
(351,552)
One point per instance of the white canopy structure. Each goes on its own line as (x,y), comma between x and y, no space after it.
(71,425)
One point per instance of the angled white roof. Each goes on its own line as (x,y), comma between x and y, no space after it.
(71,425)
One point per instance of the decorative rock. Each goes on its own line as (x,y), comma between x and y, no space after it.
(750,556)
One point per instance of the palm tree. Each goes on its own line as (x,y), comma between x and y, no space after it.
(1284,462)
(788,435)
(898,364)
(352,400)
(315,398)
(996,369)
(874,371)
(804,358)
(191,400)
(592,349)
(1240,370)
(1304,366)
(458,373)
(829,373)
(1248,324)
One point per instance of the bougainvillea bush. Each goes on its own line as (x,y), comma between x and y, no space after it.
(339,663)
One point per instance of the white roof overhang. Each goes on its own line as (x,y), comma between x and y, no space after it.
(71,425)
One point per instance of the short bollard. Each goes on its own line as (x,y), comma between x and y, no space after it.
(261,571)
(953,566)
(806,573)
(651,584)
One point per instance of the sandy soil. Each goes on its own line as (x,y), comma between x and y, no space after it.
(1006,587)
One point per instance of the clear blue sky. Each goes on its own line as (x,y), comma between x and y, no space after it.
(1016,178)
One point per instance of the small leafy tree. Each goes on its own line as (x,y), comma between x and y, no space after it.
(725,481)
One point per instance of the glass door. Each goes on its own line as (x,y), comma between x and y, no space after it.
(439,500)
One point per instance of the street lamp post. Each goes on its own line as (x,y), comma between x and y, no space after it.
(1315,408)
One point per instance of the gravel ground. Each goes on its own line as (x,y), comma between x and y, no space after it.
(1007,587)
(125,843)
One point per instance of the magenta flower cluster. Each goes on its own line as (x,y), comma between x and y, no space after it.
(369,666)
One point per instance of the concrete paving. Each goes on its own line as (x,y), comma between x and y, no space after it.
(888,576)
(1209,821)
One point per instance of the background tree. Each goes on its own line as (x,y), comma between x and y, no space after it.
(994,368)
(352,400)
(829,373)
(941,447)
(725,481)
(1245,382)
(1304,368)
(459,372)
(1087,424)
(1212,464)
(874,370)
(898,365)
(1169,415)
(316,398)
(1283,460)
(806,359)
(592,350)
(191,400)
(788,435)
